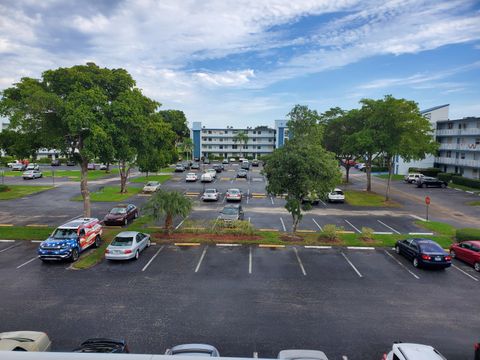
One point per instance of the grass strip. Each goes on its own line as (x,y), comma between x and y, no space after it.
(474,203)
(364,198)
(96,255)
(143,179)
(110,194)
(394,176)
(463,187)
(25,233)
(71,174)
(439,228)
(17,191)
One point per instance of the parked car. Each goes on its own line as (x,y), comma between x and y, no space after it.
(193,350)
(187,164)
(102,167)
(121,215)
(19,167)
(232,159)
(467,251)
(311,198)
(206,177)
(360,166)
(427,181)
(70,239)
(127,245)
(210,195)
(255,163)
(91,166)
(195,166)
(218,167)
(191,177)
(151,187)
(71,162)
(206,161)
(302,355)
(24,341)
(179,168)
(412,178)
(225,161)
(212,171)
(423,252)
(242,173)
(32,174)
(56,162)
(10,164)
(409,351)
(33,167)
(336,195)
(231,213)
(102,345)
(233,195)
(245,165)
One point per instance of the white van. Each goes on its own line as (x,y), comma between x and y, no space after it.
(412,178)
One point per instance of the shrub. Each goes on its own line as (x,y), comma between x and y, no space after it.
(330,232)
(3,188)
(6,159)
(233,227)
(466,181)
(432,172)
(467,234)
(367,234)
(445,176)
(379,168)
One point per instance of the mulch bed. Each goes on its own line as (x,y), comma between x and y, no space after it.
(226,238)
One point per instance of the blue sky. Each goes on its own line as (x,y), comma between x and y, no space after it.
(244,63)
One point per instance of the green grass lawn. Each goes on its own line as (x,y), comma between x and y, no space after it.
(94,256)
(143,179)
(17,191)
(110,193)
(394,176)
(363,198)
(474,203)
(439,228)
(463,187)
(25,233)
(71,174)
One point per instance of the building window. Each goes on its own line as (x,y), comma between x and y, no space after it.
(450,125)
(204,139)
(259,147)
(254,139)
(259,132)
(221,139)
(226,131)
(209,146)
(209,131)
(209,139)
(269,140)
(220,147)
(245,146)
(477,141)
(458,140)
(448,154)
(456,155)
(234,146)
(254,132)
(462,155)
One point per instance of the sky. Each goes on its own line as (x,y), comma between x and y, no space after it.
(247,63)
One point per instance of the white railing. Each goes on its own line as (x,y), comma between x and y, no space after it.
(457,132)
(459,162)
(466,147)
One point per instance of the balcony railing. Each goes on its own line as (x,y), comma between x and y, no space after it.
(457,132)
(458,162)
(461,147)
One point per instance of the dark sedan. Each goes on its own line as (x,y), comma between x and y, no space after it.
(427,181)
(423,253)
(242,173)
(121,215)
(101,345)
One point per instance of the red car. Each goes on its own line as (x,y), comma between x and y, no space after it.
(468,251)
(121,215)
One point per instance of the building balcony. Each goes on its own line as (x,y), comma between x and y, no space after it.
(460,147)
(458,132)
(458,162)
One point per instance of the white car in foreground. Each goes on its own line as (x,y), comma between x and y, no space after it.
(151,187)
(302,355)
(127,245)
(32,174)
(24,341)
(191,177)
(211,195)
(206,177)
(336,195)
(407,351)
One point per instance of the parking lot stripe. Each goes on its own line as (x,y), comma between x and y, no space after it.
(181,222)
(322,202)
(6,225)
(317,247)
(470,276)
(418,217)
(270,246)
(248,195)
(349,223)
(267,229)
(306,231)
(395,231)
(153,258)
(201,258)
(7,240)
(7,248)
(35,241)
(383,232)
(186,244)
(300,261)
(250,261)
(420,233)
(28,262)
(228,245)
(353,266)
(399,263)
(36,225)
(271,199)
(283,224)
(360,248)
(317,225)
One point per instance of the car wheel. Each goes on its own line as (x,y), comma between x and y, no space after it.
(397,249)
(149,243)
(476,266)
(137,255)
(452,254)
(125,222)
(136,215)
(415,262)
(74,256)
(444,186)
(97,241)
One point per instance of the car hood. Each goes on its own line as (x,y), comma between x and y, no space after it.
(114,216)
(53,243)
(228,217)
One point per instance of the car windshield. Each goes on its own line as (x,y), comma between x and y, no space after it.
(338,192)
(428,246)
(118,210)
(64,234)
(233,192)
(122,241)
(229,211)
(210,191)
(152,183)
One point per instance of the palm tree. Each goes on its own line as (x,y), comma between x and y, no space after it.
(170,204)
(241,137)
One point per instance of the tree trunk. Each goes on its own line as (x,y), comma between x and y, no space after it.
(168,223)
(368,168)
(347,173)
(108,167)
(124,172)
(295,223)
(387,193)
(84,187)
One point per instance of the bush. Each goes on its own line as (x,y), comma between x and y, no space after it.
(379,169)
(43,161)
(466,182)
(367,234)
(234,227)
(432,172)
(4,160)
(330,232)
(3,188)
(467,234)
(445,176)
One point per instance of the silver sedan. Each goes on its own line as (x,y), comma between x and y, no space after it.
(127,245)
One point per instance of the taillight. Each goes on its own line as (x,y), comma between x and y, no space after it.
(448,258)
(127,251)
(107,251)
(425,257)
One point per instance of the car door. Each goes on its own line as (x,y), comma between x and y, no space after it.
(414,250)
(408,251)
(468,253)
(130,212)
(140,239)
(403,245)
(463,252)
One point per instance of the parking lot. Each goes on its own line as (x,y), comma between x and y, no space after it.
(245,299)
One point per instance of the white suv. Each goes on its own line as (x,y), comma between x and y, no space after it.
(412,178)
(408,351)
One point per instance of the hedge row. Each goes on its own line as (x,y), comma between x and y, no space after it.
(3,188)
(466,182)
(467,234)
(432,172)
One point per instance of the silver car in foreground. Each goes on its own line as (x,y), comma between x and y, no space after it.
(127,245)
(302,355)
(193,350)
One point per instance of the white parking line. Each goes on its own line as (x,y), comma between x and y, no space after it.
(360,248)
(250,261)
(383,233)
(228,245)
(399,263)
(181,222)
(470,276)
(249,219)
(28,262)
(349,223)
(322,202)
(418,217)
(317,225)
(300,261)
(353,266)
(255,355)
(271,199)
(35,241)
(421,233)
(248,194)
(12,246)
(153,258)
(7,240)
(395,231)
(317,247)
(283,225)
(201,258)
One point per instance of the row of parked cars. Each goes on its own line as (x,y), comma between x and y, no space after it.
(424,181)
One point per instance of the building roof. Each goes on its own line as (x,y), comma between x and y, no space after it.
(434,108)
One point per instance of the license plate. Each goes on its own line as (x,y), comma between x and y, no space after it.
(117,251)
(438,258)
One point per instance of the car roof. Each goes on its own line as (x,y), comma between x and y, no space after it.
(302,354)
(233,189)
(75,224)
(193,347)
(235,206)
(418,351)
(473,242)
(127,234)
(337,189)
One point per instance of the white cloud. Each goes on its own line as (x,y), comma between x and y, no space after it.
(227,78)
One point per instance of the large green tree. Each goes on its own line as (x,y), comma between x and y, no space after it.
(301,167)
(178,122)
